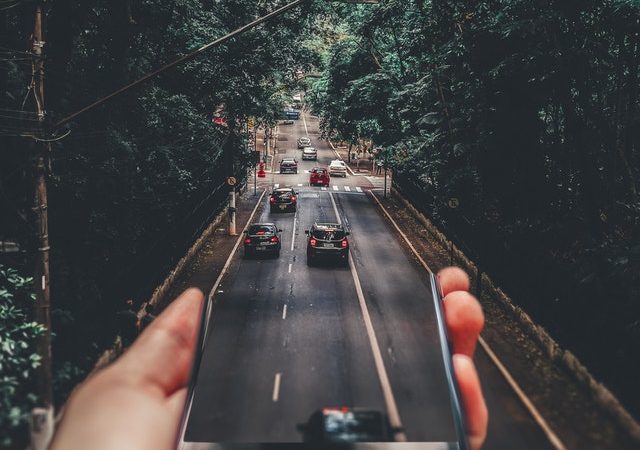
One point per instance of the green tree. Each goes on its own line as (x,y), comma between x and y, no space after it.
(18,357)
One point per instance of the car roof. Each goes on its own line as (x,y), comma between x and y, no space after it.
(262,224)
(339,161)
(308,148)
(328,226)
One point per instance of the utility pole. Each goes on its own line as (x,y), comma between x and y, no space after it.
(228,152)
(42,415)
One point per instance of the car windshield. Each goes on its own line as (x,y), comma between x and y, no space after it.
(329,234)
(319,171)
(258,230)
(288,163)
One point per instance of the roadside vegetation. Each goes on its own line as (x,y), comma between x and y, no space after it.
(527,113)
(516,123)
(136,179)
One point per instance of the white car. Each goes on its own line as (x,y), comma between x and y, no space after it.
(338,167)
(310,153)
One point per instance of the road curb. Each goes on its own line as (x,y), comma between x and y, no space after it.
(566,359)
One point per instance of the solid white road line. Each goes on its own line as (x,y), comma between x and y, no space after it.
(542,423)
(284,312)
(347,188)
(276,387)
(385,385)
(290,266)
(335,188)
(358,188)
(335,208)
(293,234)
(306,130)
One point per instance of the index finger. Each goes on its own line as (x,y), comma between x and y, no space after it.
(453,279)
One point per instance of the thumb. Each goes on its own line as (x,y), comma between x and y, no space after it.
(162,356)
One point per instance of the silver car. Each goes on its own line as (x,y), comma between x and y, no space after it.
(338,168)
(310,153)
(304,142)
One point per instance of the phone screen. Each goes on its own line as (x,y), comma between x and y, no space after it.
(324,382)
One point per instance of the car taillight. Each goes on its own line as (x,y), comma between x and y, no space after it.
(293,198)
(273,199)
(275,239)
(313,242)
(344,243)
(247,241)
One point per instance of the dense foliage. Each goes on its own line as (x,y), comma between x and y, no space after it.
(136,179)
(528,113)
(17,357)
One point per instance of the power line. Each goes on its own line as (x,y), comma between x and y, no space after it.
(179,61)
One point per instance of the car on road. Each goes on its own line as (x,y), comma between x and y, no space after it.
(287,122)
(304,142)
(262,238)
(310,153)
(338,167)
(288,165)
(327,241)
(283,199)
(319,176)
(345,424)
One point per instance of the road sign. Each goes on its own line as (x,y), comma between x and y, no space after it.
(231,181)
(453,203)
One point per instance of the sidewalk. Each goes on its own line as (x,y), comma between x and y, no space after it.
(205,266)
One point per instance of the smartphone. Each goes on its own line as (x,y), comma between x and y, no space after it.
(225,412)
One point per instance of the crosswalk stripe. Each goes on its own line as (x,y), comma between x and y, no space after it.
(358,188)
(323,188)
(335,188)
(347,188)
(299,184)
(276,186)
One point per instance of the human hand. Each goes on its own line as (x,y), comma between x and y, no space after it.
(465,320)
(137,402)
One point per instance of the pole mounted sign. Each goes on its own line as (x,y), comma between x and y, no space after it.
(231,181)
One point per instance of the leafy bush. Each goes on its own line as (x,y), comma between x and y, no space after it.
(17,356)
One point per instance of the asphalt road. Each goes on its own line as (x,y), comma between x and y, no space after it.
(287,339)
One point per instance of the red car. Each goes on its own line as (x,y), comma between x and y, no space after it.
(319,176)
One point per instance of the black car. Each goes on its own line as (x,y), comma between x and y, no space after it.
(327,240)
(262,238)
(344,425)
(283,199)
(288,165)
